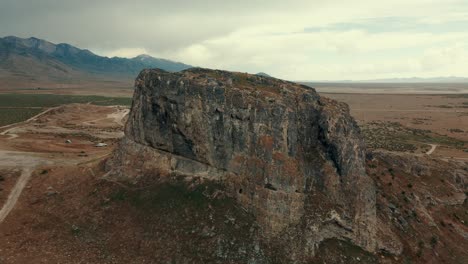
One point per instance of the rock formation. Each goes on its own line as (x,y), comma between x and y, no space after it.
(292,159)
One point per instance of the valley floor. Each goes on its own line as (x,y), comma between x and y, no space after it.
(56,207)
(412,123)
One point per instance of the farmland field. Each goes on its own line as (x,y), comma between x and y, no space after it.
(52,100)
(15,115)
(19,107)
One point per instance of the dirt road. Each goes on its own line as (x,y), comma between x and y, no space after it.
(28,162)
(11,127)
(119,115)
(433,148)
(15,193)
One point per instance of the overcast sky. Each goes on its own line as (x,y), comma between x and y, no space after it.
(294,39)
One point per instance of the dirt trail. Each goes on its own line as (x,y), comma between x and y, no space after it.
(119,115)
(15,193)
(433,148)
(28,162)
(11,127)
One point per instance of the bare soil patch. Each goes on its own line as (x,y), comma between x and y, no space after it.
(8,179)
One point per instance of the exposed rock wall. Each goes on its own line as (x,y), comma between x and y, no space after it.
(291,158)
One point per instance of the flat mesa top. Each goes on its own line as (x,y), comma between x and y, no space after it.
(225,79)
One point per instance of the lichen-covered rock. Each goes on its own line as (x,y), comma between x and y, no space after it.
(296,161)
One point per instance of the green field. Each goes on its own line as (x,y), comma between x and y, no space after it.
(19,107)
(11,116)
(52,100)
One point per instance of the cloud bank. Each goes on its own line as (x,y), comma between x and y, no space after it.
(296,40)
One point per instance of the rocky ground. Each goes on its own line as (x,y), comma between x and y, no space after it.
(72,215)
(424,200)
(71,211)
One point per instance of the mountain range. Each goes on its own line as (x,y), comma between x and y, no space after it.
(33,62)
(448,79)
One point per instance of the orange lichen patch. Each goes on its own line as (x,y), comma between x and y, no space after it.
(270,89)
(291,167)
(279,156)
(256,163)
(238,159)
(266,142)
(238,163)
(329,169)
(256,168)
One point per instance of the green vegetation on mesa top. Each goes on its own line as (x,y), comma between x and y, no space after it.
(52,100)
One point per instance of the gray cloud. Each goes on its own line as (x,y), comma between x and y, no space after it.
(297,39)
(155,25)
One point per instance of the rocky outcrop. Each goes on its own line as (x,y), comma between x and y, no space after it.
(294,160)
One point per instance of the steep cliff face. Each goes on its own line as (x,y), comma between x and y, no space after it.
(291,158)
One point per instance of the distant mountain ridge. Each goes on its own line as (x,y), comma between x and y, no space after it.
(449,79)
(33,61)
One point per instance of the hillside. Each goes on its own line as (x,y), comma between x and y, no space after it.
(32,62)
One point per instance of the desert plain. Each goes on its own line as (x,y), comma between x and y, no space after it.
(53,189)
